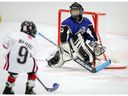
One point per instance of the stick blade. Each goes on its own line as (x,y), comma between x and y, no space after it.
(103,66)
(55,87)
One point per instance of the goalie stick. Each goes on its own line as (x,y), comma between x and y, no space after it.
(55,86)
(81,62)
(90,68)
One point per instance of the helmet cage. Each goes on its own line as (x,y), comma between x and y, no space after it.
(76,11)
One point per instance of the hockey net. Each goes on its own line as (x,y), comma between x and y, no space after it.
(98,20)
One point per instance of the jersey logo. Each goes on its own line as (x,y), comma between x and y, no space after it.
(82,29)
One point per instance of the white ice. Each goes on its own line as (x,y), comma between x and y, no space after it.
(73,79)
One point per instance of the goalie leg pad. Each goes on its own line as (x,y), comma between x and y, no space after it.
(83,54)
(81,49)
(55,59)
(66,51)
(61,55)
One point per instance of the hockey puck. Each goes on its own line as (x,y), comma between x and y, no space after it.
(55,85)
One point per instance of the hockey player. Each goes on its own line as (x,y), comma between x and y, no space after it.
(21,57)
(74,39)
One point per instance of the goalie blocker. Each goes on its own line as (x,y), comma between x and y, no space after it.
(77,48)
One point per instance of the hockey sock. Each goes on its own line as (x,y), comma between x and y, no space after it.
(32,76)
(11,80)
(31,79)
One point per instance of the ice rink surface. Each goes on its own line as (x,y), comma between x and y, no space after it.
(73,79)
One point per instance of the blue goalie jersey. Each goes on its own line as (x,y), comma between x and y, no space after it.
(74,26)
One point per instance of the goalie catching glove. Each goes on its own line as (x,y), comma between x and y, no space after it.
(98,49)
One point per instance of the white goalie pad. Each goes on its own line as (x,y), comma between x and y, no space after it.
(55,59)
(66,51)
(59,56)
(81,49)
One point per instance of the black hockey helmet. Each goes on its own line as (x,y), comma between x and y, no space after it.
(29,27)
(76,11)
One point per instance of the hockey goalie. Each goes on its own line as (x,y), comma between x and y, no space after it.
(76,43)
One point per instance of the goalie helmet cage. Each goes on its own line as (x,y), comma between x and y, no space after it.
(95,19)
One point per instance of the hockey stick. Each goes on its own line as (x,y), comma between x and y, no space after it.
(55,86)
(47,39)
(81,62)
(90,68)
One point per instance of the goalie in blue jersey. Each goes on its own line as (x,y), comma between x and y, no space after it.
(74,38)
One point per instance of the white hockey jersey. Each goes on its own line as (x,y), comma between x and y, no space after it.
(21,49)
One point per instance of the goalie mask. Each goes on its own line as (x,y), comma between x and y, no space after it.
(29,27)
(76,11)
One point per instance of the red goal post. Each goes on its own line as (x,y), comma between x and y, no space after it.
(95,17)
